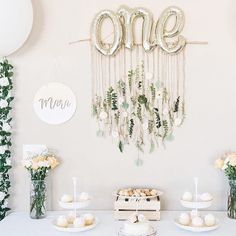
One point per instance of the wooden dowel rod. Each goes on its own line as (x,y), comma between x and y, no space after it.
(188,42)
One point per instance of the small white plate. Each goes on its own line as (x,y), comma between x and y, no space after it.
(75,205)
(196,204)
(152,232)
(72,229)
(197,229)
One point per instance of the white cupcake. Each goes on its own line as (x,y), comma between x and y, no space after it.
(62,221)
(206,197)
(67,198)
(84,196)
(194,213)
(89,219)
(187,196)
(210,220)
(197,221)
(71,217)
(184,219)
(79,222)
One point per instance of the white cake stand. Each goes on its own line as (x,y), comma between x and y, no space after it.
(75,205)
(196,205)
(72,229)
(191,228)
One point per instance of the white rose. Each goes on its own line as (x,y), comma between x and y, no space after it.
(2,149)
(3,103)
(2,196)
(225,163)
(43,164)
(6,127)
(5,204)
(8,162)
(232,160)
(26,163)
(4,81)
(120,100)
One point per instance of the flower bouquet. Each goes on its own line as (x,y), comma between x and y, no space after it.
(38,167)
(228,165)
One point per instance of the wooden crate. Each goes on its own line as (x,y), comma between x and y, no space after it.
(124,207)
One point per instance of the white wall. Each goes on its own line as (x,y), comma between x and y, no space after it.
(207,133)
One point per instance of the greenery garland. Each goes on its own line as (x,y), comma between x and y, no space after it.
(6,85)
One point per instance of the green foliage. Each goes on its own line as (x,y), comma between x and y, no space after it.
(122,87)
(165,95)
(111,100)
(139,145)
(150,126)
(130,78)
(153,92)
(152,146)
(117,117)
(176,106)
(114,101)
(125,105)
(166,129)
(142,99)
(6,85)
(139,112)
(158,119)
(121,146)
(131,127)
(230,172)
(109,96)
(140,84)
(94,110)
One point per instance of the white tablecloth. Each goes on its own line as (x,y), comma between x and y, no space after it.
(19,224)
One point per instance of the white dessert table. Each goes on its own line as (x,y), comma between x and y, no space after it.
(19,224)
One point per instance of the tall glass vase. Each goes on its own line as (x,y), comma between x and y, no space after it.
(38,199)
(232,200)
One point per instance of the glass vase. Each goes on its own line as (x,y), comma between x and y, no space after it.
(38,199)
(232,200)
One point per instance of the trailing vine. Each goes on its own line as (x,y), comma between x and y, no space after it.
(6,85)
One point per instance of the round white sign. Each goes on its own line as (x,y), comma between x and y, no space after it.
(16,20)
(54,103)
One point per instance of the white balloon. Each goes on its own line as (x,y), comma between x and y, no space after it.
(16,20)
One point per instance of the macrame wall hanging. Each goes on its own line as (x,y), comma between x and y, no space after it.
(138,92)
